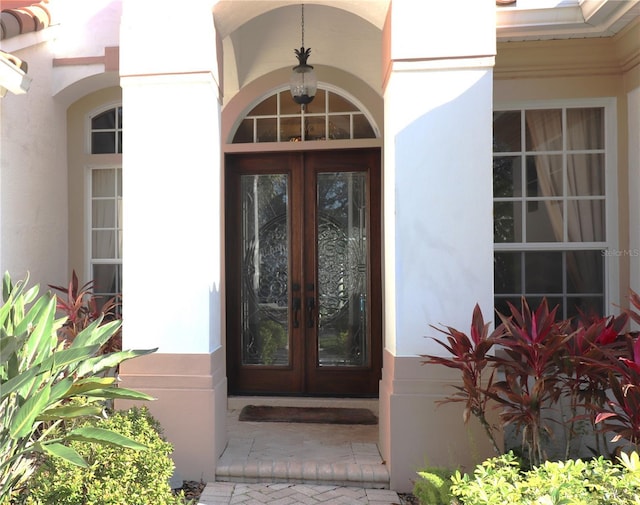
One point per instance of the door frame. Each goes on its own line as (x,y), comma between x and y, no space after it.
(295,381)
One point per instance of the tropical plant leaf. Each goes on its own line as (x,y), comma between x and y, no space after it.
(64,452)
(22,423)
(119,393)
(9,344)
(107,361)
(81,386)
(96,333)
(102,436)
(70,412)
(18,381)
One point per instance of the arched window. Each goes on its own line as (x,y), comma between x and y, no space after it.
(105,202)
(330,116)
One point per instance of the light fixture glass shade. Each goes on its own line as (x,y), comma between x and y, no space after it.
(303,82)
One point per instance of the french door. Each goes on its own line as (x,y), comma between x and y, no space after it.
(303,273)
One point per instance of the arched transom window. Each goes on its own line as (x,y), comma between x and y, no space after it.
(330,116)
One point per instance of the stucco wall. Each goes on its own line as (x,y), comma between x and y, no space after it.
(33,176)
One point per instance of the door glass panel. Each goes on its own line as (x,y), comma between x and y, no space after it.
(265,270)
(342,269)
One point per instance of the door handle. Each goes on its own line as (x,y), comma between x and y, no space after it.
(311,304)
(296,310)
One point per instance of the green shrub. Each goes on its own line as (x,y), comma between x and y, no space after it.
(42,383)
(433,486)
(501,481)
(115,476)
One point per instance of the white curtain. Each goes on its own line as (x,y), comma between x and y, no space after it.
(106,228)
(585,176)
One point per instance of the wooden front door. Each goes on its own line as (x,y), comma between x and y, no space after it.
(303,272)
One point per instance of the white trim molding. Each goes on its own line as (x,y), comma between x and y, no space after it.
(564,19)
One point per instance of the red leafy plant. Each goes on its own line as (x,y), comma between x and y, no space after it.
(82,306)
(471,355)
(620,413)
(542,361)
(586,382)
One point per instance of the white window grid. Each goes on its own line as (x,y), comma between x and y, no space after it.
(116,130)
(114,256)
(303,116)
(610,269)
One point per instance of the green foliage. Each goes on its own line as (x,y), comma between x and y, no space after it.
(433,486)
(272,338)
(41,380)
(501,481)
(114,476)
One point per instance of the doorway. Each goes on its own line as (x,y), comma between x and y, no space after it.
(304,273)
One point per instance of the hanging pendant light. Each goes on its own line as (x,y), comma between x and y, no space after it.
(303,81)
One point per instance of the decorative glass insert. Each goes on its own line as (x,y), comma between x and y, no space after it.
(265,270)
(342,269)
(106,132)
(550,208)
(329,116)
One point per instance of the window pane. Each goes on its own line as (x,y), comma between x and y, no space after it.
(585,221)
(585,128)
(587,305)
(544,221)
(543,130)
(585,174)
(318,105)
(244,133)
(103,214)
(120,117)
(339,127)
(501,306)
(315,128)
(103,182)
(362,128)
(104,121)
(118,183)
(290,129)
(287,105)
(267,130)
(507,222)
(585,272)
(506,131)
(268,107)
(507,272)
(543,272)
(507,176)
(552,302)
(103,244)
(103,142)
(119,142)
(544,176)
(339,104)
(106,279)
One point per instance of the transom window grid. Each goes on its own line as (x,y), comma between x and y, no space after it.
(106,131)
(279,119)
(550,208)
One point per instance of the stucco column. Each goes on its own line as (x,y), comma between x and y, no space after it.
(172,224)
(438,221)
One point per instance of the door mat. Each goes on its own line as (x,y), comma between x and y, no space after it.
(326,415)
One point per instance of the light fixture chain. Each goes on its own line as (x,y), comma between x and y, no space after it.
(302,25)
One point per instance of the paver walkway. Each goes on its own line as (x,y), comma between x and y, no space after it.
(293,463)
(228,493)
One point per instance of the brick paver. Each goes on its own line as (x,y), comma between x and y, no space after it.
(227,493)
